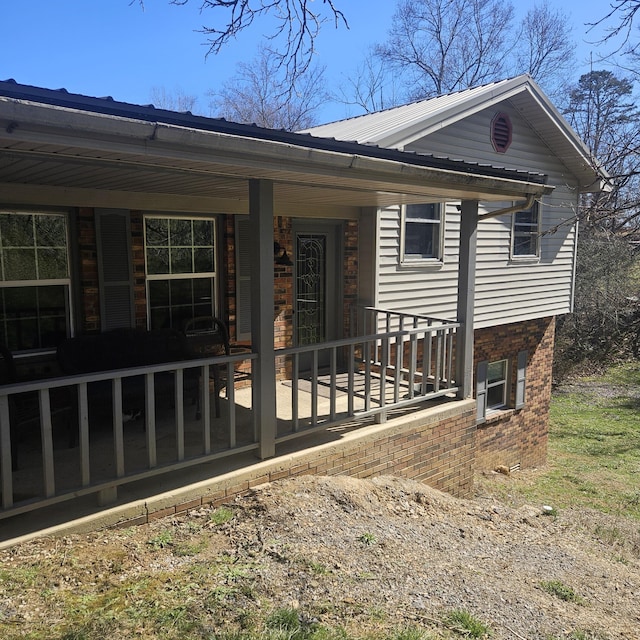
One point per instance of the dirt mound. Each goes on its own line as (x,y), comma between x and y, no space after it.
(377,553)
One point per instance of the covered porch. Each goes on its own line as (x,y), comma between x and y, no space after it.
(77,435)
(66,152)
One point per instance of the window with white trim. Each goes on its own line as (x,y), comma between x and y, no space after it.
(525,233)
(422,236)
(34,280)
(497,385)
(493,390)
(180,269)
(491,387)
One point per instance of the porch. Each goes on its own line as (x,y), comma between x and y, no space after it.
(99,168)
(78,443)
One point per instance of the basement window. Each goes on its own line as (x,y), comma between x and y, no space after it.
(493,390)
(491,387)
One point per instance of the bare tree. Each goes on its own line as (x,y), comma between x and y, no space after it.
(624,11)
(262,93)
(544,48)
(444,45)
(297,25)
(439,46)
(373,86)
(173,100)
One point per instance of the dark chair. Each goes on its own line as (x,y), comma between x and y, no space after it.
(208,336)
(24,408)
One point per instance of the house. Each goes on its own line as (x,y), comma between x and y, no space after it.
(388,284)
(524,268)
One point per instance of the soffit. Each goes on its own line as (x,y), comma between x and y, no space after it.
(57,148)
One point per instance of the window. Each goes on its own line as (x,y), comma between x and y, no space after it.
(492,386)
(422,232)
(180,262)
(497,385)
(526,233)
(34,280)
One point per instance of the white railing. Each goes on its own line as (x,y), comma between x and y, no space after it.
(343,382)
(370,375)
(93,408)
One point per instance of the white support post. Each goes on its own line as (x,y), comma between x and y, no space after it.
(466,297)
(262,306)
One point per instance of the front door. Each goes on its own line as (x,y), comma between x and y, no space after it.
(318,290)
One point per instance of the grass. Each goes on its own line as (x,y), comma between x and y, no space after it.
(594,462)
(368,539)
(561,591)
(465,624)
(594,447)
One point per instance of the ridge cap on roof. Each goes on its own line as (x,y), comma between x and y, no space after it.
(525,78)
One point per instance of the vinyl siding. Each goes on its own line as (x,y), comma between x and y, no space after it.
(506,290)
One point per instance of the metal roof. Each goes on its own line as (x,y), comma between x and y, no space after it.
(398,127)
(62,148)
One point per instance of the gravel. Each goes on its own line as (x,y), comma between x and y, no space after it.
(381,553)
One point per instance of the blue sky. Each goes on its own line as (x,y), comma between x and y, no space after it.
(112,47)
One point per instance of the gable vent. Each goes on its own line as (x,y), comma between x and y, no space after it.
(501,132)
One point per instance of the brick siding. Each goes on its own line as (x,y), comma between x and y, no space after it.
(518,437)
(435,446)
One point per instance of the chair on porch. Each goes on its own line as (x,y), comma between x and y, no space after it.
(24,408)
(208,336)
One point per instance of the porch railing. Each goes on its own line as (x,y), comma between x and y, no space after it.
(37,398)
(410,362)
(341,382)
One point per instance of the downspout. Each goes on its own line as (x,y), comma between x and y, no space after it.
(523,205)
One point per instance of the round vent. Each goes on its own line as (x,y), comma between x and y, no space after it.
(501,132)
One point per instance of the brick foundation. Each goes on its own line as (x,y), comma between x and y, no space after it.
(435,446)
(518,437)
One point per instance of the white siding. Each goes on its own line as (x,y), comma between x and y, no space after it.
(506,290)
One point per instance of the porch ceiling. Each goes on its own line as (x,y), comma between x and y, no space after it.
(51,155)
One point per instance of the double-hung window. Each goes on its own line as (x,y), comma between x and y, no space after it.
(493,391)
(497,385)
(422,231)
(34,280)
(180,266)
(525,234)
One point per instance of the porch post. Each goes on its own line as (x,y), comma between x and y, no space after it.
(466,297)
(262,305)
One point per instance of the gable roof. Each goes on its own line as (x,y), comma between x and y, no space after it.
(398,127)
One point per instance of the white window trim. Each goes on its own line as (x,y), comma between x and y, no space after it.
(483,386)
(483,411)
(211,275)
(530,257)
(503,382)
(65,282)
(421,261)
